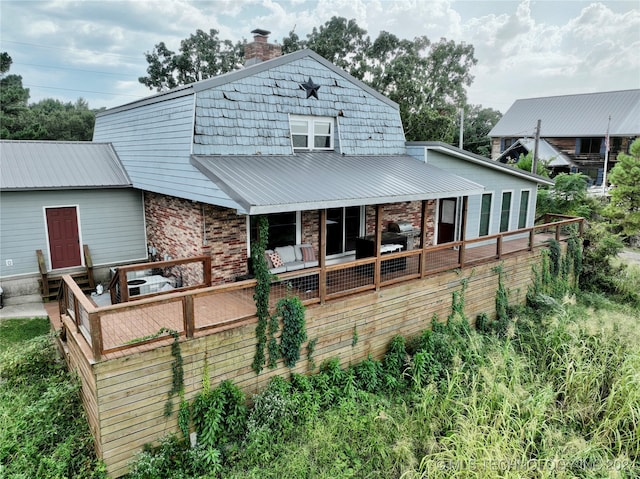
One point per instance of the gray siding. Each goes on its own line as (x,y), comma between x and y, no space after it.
(111,222)
(250,116)
(494,181)
(243,113)
(153,142)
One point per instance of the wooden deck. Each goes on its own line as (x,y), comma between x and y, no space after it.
(142,325)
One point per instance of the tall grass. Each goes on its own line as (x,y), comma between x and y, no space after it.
(43,430)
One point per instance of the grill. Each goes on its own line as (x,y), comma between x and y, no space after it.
(405,228)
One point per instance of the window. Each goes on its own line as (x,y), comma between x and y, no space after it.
(588,146)
(311,133)
(505,211)
(485,214)
(344,225)
(282,229)
(507,142)
(524,209)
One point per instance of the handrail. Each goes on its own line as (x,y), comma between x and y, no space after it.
(88,261)
(187,295)
(43,273)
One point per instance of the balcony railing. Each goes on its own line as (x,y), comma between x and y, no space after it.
(118,329)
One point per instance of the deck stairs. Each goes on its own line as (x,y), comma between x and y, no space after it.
(49,282)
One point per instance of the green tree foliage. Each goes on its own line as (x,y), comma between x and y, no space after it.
(428,80)
(339,40)
(525,163)
(47,119)
(478,122)
(13,97)
(624,208)
(201,56)
(567,197)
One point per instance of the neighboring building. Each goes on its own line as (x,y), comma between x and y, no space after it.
(56,197)
(575,126)
(288,137)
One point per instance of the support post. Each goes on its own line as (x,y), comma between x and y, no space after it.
(188,316)
(423,238)
(531,239)
(378,242)
(463,227)
(96,335)
(322,256)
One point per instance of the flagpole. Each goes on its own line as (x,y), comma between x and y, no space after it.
(606,158)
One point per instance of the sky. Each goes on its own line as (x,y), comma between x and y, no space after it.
(525,48)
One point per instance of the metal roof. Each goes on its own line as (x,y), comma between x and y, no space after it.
(481,160)
(584,115)
(232,76)
(317,180)
(546,152)
(47,165)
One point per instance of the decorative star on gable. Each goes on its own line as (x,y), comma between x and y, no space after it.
(311,88)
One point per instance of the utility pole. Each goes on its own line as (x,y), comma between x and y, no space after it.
(534,163)
(461,127)
(606,159)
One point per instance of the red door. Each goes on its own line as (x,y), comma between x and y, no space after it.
(64,241)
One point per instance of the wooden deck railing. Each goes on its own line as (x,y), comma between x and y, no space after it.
(190,312)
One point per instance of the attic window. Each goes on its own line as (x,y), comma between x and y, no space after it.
(311,133)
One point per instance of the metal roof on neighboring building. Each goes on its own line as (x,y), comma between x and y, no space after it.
(314,180)
(584,115)
(546,152)
(47,165)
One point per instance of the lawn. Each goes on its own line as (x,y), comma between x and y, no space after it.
(14,330)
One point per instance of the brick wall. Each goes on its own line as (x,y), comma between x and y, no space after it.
(181,228)
(410,212)
(226,238)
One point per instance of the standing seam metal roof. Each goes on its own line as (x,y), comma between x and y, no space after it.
(313,180)
(583,115)
(48,165)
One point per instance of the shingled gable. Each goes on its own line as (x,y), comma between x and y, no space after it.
(247,113)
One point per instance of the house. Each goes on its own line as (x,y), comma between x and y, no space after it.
(292,137)
(573,130)
(373,234)
(58,196)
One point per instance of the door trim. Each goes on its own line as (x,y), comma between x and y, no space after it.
(46,232)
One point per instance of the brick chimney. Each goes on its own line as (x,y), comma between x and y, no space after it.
(259,50)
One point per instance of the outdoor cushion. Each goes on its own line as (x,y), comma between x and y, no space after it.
(307,252)
(294,265)
(267,258)
(287,254)
(276,259)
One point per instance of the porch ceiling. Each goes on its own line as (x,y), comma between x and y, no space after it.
(318,180)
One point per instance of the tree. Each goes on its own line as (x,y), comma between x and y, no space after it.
(525,162)
(202,55)
(478,122)
(428,80)
(13,98)
(624,207)
(339,40)
(48,119)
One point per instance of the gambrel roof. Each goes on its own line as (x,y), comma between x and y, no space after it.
(227,141)
(50,165)
(583,115)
